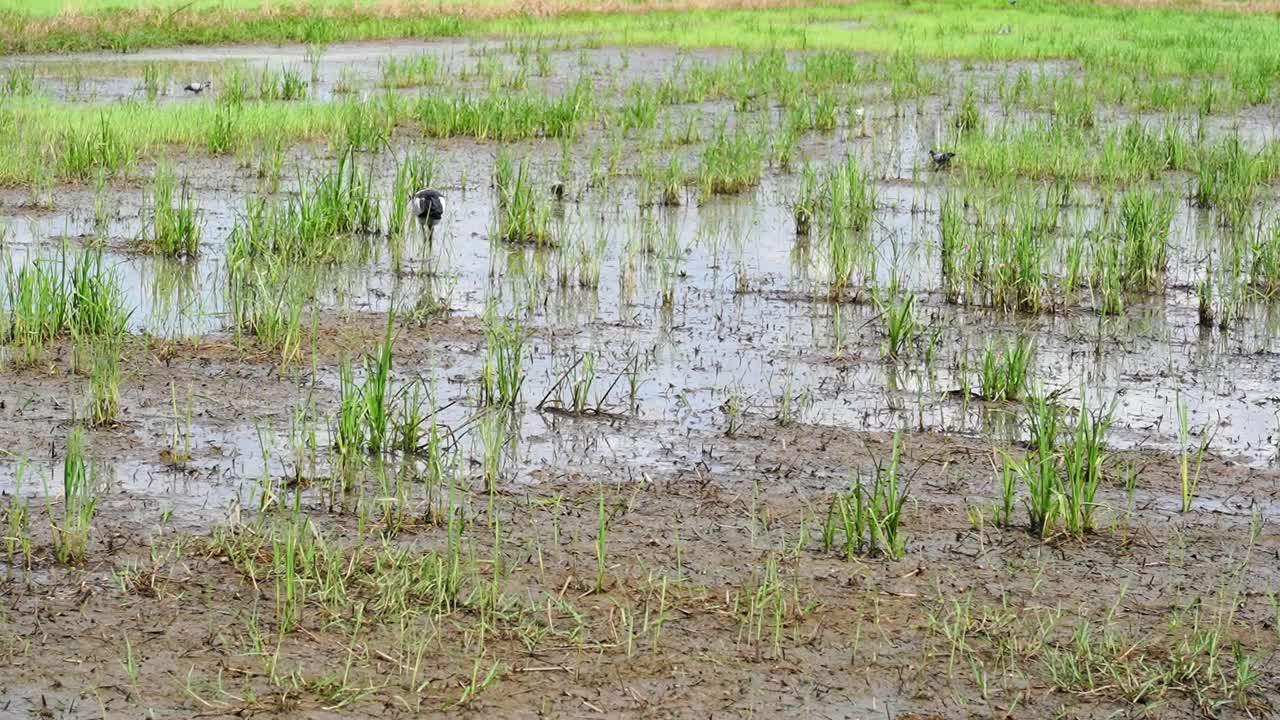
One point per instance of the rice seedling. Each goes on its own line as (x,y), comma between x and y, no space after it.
(1062,480)
(1004,371)
(1003,259)
(129,663)
(523,217)
(174,230)
(180,439)
(640,109)
(265,299)
(503,374)
(17,523)
(734,407)
(847,204)
(152,81)
(348,433)
(493,436)
(884,509)
(807,201)
(1082,466)
(764,605)
(602,542)
(478,684)
(731,163)
(968,118)
(1143,230)
(504,116)
(1038,469)
(83,152)
(869,518)
(413,173)
(377,392)
(410,71)
(365,419)
(663,185)
(80,486)
(222,135)
(1228,177)
(1189,475)
(901,325)
(73,294)
(790,404)
(366,124)
(850,196)
(104,382)
(280,85)
(19,81)
(316,224)
(313,54)
(1008,492)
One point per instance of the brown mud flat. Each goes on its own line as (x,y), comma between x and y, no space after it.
(715,596)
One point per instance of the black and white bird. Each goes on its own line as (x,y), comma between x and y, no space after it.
(428,206)
(198,87)
(941,160)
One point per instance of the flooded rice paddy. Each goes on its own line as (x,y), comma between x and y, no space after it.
(659,522)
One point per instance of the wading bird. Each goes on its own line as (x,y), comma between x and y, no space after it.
(941,160)
(428,206)
(198,87)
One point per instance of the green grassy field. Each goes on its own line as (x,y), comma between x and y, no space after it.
(1166,41)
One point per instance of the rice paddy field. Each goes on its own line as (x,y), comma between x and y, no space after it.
(719,389)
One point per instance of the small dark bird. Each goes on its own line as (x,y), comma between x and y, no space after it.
(941,160)
(198,87)
(557,189)
(428,206)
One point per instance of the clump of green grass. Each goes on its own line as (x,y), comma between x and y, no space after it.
(869,516)
(104,382)
(366,124)
(1004,373)
(365,411)
(1142,232)
(804,208)
(413,173)
(1229,177)
(174,228)
(316,225)
(731,163)
(73,294)
(505,116)
(1005,258)
(79,501)
(266,298)
(97,148)
(523,216)
(18,81)
(502,376)
(968,118)
(1062,479)
(410,71)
